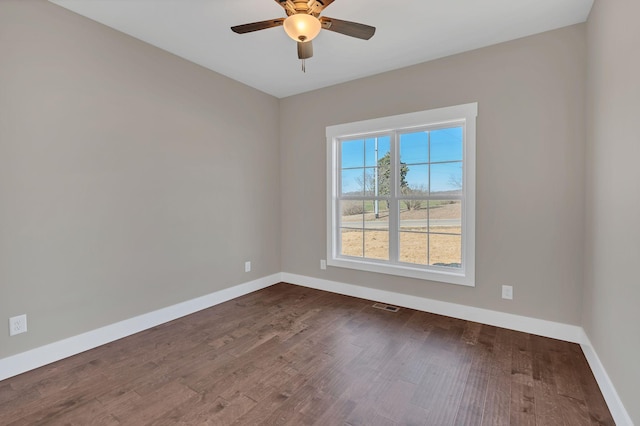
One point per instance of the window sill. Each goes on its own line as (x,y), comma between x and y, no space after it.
(449,277)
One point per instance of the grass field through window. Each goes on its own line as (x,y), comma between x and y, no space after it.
(430,232)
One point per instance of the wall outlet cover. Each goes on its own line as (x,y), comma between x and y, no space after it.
(17,325)
(507,292)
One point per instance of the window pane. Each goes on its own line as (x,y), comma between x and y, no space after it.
(353,182)
(413,247)
(376,219)
(445,217)
(353,153)
(446,178)
(446,145)
(414,147)
(373,156)
(351,242)
(376,244)
(413,215)
(376,184)
(416,180)
(383,175)
(445,250)
(352,213)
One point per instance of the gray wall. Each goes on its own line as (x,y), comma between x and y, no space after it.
(612,288)
(130,179)
(530,169)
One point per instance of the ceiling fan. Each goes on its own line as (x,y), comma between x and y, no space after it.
(303,23)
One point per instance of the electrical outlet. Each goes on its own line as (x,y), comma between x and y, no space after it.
(247,266)
(323,264)
(17,325)
(507,292)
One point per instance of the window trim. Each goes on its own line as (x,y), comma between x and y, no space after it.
(466,113)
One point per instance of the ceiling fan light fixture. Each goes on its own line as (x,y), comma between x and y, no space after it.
(302,27)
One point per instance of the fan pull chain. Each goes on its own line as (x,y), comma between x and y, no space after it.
(304,66)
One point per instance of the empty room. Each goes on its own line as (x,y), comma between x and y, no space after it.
(328,212)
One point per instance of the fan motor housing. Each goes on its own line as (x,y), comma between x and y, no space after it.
(293,7)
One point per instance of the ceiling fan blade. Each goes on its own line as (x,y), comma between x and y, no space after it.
(305,50)
(352,29)
(256,26)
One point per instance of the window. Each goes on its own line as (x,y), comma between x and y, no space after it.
(401,195)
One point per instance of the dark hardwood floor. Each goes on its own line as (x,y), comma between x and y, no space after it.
(297,356)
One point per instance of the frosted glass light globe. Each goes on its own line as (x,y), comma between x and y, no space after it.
(302,27)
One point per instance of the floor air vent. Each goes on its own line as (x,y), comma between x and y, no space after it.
(386,307)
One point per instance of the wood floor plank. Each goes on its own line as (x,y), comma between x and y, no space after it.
(414,416)
(410,363)
(154,405)
(364,415)
(548,409)
(48,409)
(208,410)
(270,406)
(497,406)
(470,410)
(298,356)
(93,412)
(522,394)
(336,414)
(393,403)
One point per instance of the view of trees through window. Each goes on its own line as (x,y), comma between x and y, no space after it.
(424,196)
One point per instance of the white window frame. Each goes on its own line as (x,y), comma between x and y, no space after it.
(461,114)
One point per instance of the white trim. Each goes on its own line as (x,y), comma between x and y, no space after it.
(412,119)
(402,270)
(619,413)
(556,330)
(43,355)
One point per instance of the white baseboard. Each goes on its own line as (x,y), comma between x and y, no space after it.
(43,355)
(556,330)
(619,413)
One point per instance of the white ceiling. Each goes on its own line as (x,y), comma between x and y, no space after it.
(408,32)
